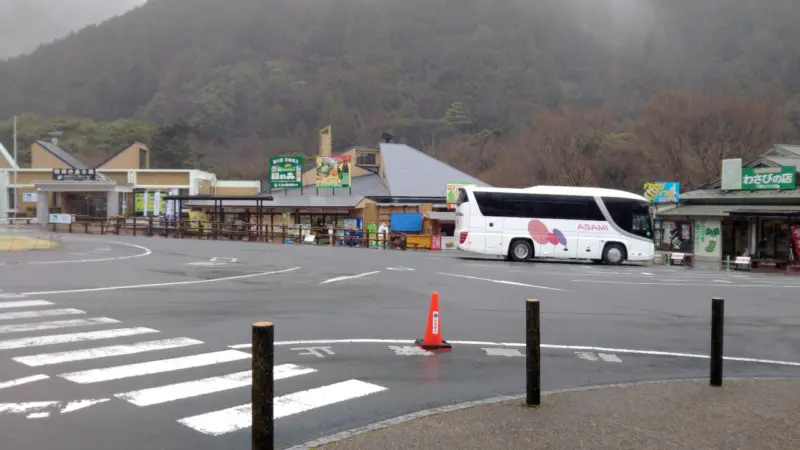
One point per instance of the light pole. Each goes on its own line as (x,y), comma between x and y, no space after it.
(16,169)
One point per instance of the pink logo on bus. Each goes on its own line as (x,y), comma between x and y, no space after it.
(542,235)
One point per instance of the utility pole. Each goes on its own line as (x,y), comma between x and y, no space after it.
(16,169)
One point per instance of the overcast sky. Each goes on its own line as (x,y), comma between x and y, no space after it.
(26,24)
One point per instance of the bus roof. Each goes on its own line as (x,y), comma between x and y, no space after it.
(563,190)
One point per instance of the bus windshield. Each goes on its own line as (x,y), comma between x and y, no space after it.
(633,216)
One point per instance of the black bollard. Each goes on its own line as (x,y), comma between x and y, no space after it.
(263,434)
(532,354)
(717,327)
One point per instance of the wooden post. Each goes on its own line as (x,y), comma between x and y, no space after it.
(263,430)
(533,368)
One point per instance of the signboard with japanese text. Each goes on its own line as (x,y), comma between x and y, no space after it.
(74,174)
(451,193)
(765,178)
(285,172)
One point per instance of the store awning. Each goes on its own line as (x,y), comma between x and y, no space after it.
(774,211)
(698,210)
(442,216)
(730,210)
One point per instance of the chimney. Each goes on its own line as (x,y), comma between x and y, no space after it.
(325,141)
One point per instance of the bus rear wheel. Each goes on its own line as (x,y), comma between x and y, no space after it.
(613,254)
(521,250)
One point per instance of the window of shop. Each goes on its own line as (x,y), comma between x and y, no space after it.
(676,235)
(776,240)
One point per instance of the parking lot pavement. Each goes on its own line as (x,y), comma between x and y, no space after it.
(102,352)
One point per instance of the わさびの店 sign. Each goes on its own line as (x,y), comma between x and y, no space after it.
(763,178)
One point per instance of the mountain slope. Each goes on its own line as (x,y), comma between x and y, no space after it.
(268,73)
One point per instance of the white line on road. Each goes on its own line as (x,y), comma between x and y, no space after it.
(11,296)
(349,277)
(146,252)
(174,283)
(152,367)
(24,380)
(39,326)
(680,283)
(516,344)
(24,304)
(228,420)
(104,352)
(178,391)
(35,408)
(39,341)
(42,313)
(513,283)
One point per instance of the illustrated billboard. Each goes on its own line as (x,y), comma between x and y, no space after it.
(662,192)
(286,172)
(333,171)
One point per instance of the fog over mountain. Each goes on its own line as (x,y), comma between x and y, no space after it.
(27,24)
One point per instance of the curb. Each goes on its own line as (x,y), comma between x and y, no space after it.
(332,438)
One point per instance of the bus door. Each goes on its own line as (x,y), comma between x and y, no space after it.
(494,234)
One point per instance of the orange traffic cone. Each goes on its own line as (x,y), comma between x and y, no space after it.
(433,332)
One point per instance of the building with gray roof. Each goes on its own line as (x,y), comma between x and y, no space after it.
(752,216)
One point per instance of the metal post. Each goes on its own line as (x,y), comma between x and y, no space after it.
(717,326)
(533,368)
(263,434)
(727,263)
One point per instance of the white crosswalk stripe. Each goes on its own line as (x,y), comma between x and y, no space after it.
(163,394)
(231,419)
(55,324)
(39,341)
(42,313)
(153,393)
(24,304)
(104,352)
(153,367)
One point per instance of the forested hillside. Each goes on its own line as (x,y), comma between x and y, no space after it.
(602,92)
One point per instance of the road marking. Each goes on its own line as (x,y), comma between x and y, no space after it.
(12,296)
(146,252)
(24,380)
(174,283)
(153,367)
(39,341)
(42,313)
(587,356)
(319,352)
(104,352)
(34,409)
(224,260)
(24,304)
(39,326)
(349,277)
(683,284)
(178,391)
(228,420)
(513,283)
(517,344)
(609,357)
(510,352)
(400,268)
(409,350)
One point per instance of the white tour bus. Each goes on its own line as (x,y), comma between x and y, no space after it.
(603,225)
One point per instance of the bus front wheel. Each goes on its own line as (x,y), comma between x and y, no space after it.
(521,250)
(613,254)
